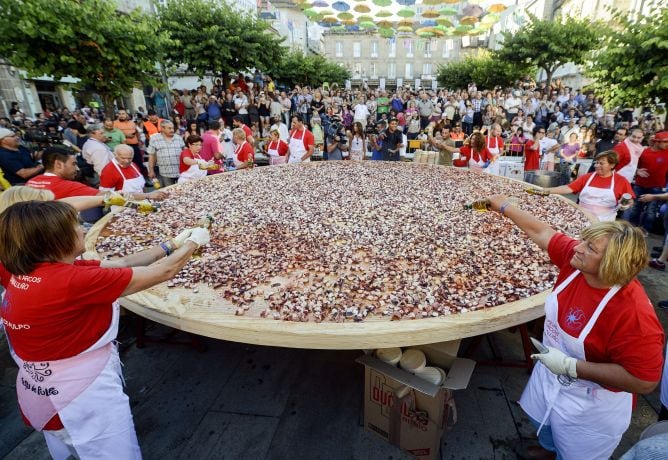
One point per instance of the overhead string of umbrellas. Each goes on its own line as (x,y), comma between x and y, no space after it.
(424,18)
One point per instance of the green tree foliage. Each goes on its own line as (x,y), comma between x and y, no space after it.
(297,69)
(550,44)
(212,38)
(631,68)
(485,70)
(86,39)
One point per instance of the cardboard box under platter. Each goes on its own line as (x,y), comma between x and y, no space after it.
(408,411)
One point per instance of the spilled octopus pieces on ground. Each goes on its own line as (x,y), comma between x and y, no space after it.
(344,240)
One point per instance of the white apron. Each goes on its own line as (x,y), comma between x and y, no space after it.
(134,185)
(356,149)
(476,165)
(587,420)
(494,167)
(297,149)
(600,201)
(192,173)
(274,157)
(629,171)
(87,393)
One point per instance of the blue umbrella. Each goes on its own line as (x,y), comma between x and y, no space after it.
(354,28)
(340,6)
(406,2)
(428,23)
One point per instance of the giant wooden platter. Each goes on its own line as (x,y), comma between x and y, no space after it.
(205,312)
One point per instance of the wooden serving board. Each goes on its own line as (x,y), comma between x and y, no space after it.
(207,313)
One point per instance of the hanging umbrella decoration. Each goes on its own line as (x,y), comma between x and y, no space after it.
(340,6)
(432,18)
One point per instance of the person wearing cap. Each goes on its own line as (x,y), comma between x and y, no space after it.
(650,179)
(604,342)
(15,160)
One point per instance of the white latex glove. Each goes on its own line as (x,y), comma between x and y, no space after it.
(200,236)
(558,362)
(182,237)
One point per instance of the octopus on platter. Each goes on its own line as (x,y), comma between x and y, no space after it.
(337,241)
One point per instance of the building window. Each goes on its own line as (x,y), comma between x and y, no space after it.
(391,70)
(339,49)
(408,44)
(393,48)
(357,49)
(374,49)
(426,69)
(427,49)
(358,70)
(372,70)
(409,70)
(447,48)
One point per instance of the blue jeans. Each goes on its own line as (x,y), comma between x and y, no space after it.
(545,438)
(644,214)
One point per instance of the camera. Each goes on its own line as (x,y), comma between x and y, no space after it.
(335,129)
(371,130)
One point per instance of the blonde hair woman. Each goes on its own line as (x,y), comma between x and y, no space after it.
(21,193)
(602,341)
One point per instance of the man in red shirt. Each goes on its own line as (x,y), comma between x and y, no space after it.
(301,142)
(238,122)
(650,179)
(211,148)
(629,151)
(60,170)
(244,154)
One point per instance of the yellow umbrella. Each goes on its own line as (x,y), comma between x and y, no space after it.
(329,19)
(385,24)
(349,22)
(406,22)
(451,2)
(490,18)
(431,14)
(405,29)
(444,22)
(497,8)
(436,31)
(432,2)
(468,20)
(362,8)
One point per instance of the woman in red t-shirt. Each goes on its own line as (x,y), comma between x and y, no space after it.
(277,148)
(61,319)
(602,342)
(600,191)
(474,152)
(191,165)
